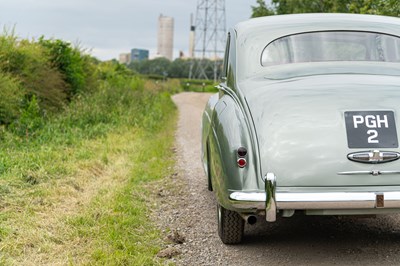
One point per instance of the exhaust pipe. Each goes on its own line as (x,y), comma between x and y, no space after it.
(251,219)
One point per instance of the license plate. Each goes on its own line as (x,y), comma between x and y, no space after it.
(371,129)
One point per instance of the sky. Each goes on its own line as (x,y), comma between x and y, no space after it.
(107,28)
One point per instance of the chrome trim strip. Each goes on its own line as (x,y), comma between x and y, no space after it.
(373,172)
(270,205)
(322,197)
(389,172)
(354,173)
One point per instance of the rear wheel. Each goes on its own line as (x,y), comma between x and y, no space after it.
(230,226)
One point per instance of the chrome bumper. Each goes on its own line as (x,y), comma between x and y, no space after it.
(273,201)
(315,201)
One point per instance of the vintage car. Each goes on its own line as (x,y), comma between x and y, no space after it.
(305,120)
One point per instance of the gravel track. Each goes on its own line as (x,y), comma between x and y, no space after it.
(188,209)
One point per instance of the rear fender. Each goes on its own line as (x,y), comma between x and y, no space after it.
(230,132)
(205,132)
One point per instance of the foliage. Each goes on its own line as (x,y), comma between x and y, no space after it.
(69,61)
(261,10)
(377,7)
(67,124)
(102,151)
(198,85)
(179,68)
(26,62)
(30,120)
(111,70)
(159,66)
(49,73)
(11,97)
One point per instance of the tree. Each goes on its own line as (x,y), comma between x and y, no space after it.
(378,7)
(158,66)
(261,10)
(179,68)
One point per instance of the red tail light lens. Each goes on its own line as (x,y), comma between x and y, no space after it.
(241,162)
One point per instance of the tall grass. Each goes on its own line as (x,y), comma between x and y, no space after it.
(126,120)
(117,223)
(67,120)
(118,102)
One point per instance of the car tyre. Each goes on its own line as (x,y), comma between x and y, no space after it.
(230,226)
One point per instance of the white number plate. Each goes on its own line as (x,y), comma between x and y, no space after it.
(371,129)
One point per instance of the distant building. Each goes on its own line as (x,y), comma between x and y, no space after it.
(165,37)
(125,58)
(139,54)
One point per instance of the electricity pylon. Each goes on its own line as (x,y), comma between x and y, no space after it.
(210,39)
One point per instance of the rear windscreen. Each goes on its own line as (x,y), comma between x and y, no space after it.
(332,46)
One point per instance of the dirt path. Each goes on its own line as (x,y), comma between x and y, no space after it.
(189,210)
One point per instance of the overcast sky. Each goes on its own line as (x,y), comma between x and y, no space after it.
(109,27)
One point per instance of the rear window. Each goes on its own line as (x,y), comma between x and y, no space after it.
(332,46)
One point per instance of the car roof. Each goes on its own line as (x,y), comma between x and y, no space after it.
(308,21)
(254,34)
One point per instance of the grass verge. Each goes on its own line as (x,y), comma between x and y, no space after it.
(86,201)
(119,217)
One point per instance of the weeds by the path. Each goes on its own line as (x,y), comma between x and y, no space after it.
(74,191)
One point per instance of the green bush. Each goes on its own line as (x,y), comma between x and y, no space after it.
(26,62)
(69,61)
(53,92)
(112,70)
(11,97)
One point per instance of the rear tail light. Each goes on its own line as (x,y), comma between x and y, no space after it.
(241,162)
(241,153)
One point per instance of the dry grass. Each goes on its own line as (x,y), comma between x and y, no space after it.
(43,235)
(82,218)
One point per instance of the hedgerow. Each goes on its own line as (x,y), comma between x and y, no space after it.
(50,79)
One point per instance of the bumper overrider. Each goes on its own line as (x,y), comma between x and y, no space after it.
(272,201)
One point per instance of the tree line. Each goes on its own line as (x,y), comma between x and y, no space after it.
(280,7)
(179,68)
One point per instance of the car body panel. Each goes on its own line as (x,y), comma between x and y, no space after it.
(300,123)
(292,120)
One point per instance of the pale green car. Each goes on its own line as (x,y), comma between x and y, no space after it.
(305,120)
